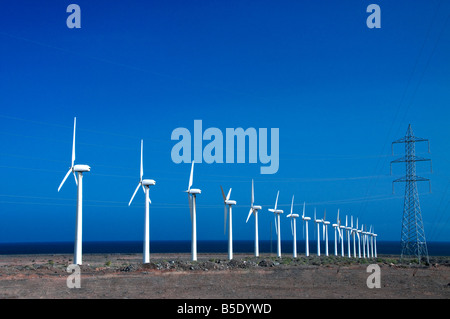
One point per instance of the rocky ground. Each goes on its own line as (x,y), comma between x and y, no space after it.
(213,276)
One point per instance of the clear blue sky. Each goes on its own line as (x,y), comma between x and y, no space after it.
(339,93)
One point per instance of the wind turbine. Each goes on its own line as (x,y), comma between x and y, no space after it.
(348,229)
(80,169)
(145,184)
(192,193)
(363,234)
(277,213)
(293,229)
(353,232)
(317,221)
(305,220)
(336,231)
(227,201)
(371,241)
(343,230)
(254,209)
(367,242)
(325,232)
(358,233)
(375,242)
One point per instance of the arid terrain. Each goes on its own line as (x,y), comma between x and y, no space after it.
(214,277)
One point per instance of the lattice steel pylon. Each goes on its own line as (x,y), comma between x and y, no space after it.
(413,242)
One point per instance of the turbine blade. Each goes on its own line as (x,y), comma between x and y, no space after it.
(253,193)
(191,177)
(249,214)
(64,179)
(225,219)
(190,205)
(292,228)
(304,203)
(276,228)
(134,194)
(223,194)
(73,143)
(337,219)
(228,195)
(276,201)
(303,233)
(292,204)
(75,176)
(142,165)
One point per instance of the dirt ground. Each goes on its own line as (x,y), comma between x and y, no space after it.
(111,276)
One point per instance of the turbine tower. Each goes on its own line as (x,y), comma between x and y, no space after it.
(358,233)
(305,224)
(348,229)
(293,229)
(325,232)
(317,221)
(336,231)
(254,210)
(353,233)
(413,242)
(343,229)
(80,169)
(192,193)
(145,184)
(277,213)
(229,203)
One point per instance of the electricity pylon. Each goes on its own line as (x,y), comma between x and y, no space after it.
(413,242)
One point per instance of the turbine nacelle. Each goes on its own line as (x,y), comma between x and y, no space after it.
(276,211)
(194,191)
(81,168)
(230,202)
(148,182)
(293,215)
(256,207)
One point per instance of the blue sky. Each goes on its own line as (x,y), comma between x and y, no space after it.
(339,93)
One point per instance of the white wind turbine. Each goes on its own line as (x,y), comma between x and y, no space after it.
(325,232)
(343,230)
(192,193)
(305,220)
(371,241)
(348,229)
(145,184)
(353,232)
(375,242)
(277,213)
(358,233)
(254,210)
(229,203)
(293,229)
(364,235)
(317,221)
(336,231)
(367,242)
(80,169)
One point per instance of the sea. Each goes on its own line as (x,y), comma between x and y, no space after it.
(203,246)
